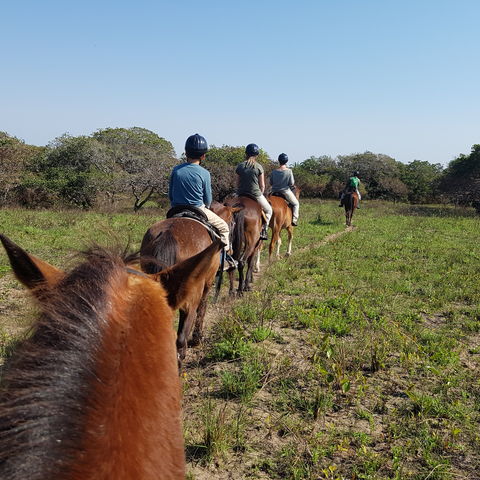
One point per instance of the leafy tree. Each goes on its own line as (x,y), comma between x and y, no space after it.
(139,162)
(376,171)
(221,163)
(14,156)
(67,169)
(461,179)
(422,179)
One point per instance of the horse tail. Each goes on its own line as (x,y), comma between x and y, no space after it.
(238,234)
(348,201)
(163,254)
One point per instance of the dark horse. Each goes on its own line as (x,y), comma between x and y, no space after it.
(350,202)
(281,219)
(93,391)
(173,240)
(245,240)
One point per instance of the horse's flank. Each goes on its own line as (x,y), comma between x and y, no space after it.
(94,392)
(281,219)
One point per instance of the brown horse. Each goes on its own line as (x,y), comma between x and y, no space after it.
(93,391)
(281,219)
(173,240)
(245,240)
(350,202)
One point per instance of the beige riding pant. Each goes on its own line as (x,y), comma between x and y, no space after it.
(219,223)
(266,207)
(292,199)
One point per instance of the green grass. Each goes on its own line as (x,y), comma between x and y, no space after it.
(356,358)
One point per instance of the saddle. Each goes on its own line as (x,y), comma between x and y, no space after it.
(282,195)
(253,197)
(194,213)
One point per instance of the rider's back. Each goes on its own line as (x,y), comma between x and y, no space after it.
(248,173)
(189,185)
(281,180)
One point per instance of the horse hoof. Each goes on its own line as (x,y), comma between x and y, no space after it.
(287,254)
(195,340)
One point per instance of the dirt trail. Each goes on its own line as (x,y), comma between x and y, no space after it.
(214,311)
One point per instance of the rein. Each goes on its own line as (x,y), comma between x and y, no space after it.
(136,272)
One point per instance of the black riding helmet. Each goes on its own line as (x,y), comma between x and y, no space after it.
(252,150)
(356,173)
(196,146)
(282,158)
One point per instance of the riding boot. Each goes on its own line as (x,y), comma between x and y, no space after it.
(264,232)
(230,263)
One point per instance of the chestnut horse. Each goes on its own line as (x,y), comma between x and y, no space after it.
(281,219)
(93,391)
(245,240)
(173,240)
(350,202)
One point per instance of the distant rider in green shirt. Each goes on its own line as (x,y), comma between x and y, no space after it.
(351,186)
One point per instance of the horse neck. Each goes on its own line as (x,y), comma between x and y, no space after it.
(134,431)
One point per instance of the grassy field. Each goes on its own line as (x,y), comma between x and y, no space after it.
(356,358)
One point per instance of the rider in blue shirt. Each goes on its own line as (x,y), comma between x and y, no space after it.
(190,185)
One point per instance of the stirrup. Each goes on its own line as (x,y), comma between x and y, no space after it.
(230,263)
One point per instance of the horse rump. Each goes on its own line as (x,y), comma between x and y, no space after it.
(158,253)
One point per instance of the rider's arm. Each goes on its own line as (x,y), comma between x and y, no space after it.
(207,190)
(292,180)
(238,181)
(261,182)
(170,188)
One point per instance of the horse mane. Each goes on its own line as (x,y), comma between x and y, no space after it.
(163,252)
(45,392)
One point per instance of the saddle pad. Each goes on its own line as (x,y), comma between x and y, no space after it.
(196,214)
(279,194)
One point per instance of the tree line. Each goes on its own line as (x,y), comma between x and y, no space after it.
(134,164)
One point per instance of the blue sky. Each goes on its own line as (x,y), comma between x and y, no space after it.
(306,77)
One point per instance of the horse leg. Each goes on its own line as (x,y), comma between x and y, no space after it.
(241,278)
(231,279)
(279,244)
(185,323)
(290,237)
(272,244)
(201,310)
(249,275)
(256,269)
(257,259)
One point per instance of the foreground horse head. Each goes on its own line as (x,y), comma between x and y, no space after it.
(245,239)
(93,393)
(350,202)
(173,240)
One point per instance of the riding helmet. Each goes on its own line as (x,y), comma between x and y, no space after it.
(282,158)
(356,173)
(196,146)
(252,150)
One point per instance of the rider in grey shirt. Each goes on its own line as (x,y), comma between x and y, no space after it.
(281,180)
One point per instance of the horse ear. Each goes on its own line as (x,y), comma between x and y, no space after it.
(178,280)
(237,209)
(30,270)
